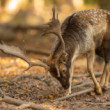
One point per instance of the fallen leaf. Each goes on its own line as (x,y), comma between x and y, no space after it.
(50,96)
(74,80)
(1,99)
(18,90)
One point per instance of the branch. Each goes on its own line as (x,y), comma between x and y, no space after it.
(91,103)
(75,94)
(79,93)
(21,27)
(77,83)
(97,74)
(23,106)
(17,102)
(21,103)
(83,84)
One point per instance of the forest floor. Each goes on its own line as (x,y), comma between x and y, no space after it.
(38,90)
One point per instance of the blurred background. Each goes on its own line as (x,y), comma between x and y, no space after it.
(17,18)
(19,21)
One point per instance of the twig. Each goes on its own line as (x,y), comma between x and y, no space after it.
(87,75)
(77,83)
(75,94)
(79,93)
(107,103)
(23,106)
(83,84)
(92,103)
(35,76)
(17,102)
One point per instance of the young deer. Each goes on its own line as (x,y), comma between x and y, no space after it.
(83,33)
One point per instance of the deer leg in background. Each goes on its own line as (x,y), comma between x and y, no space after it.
(102,81)
(106,75)
(90,61)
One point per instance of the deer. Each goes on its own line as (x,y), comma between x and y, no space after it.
(84,32)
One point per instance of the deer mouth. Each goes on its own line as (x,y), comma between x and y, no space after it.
(65,87)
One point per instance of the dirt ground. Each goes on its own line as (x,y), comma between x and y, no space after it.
(44,91)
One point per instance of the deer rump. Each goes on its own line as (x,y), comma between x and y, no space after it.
(84,32)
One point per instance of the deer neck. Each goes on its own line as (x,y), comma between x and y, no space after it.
(70,49)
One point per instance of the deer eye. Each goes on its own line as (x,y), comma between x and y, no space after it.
(64,70)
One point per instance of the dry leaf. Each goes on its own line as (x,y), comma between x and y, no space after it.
(50,96)
(75,80)
(1,99)
(18,90)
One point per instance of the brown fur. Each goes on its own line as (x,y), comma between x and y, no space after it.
(83,32)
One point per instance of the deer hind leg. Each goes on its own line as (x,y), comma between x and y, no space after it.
(90,61)
(105,76)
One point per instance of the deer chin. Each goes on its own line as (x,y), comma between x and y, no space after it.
(65,86)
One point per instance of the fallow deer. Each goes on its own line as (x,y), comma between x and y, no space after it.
(82,33)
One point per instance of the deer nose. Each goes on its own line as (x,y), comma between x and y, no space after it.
(66,86)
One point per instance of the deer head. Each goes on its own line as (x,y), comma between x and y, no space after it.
(57,62)
(57,66)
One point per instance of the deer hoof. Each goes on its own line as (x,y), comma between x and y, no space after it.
(98,90)
(68,92)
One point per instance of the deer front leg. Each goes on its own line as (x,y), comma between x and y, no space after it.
(70,79)
(90,61)
(105,76)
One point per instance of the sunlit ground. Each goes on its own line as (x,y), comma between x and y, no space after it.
(15,66)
